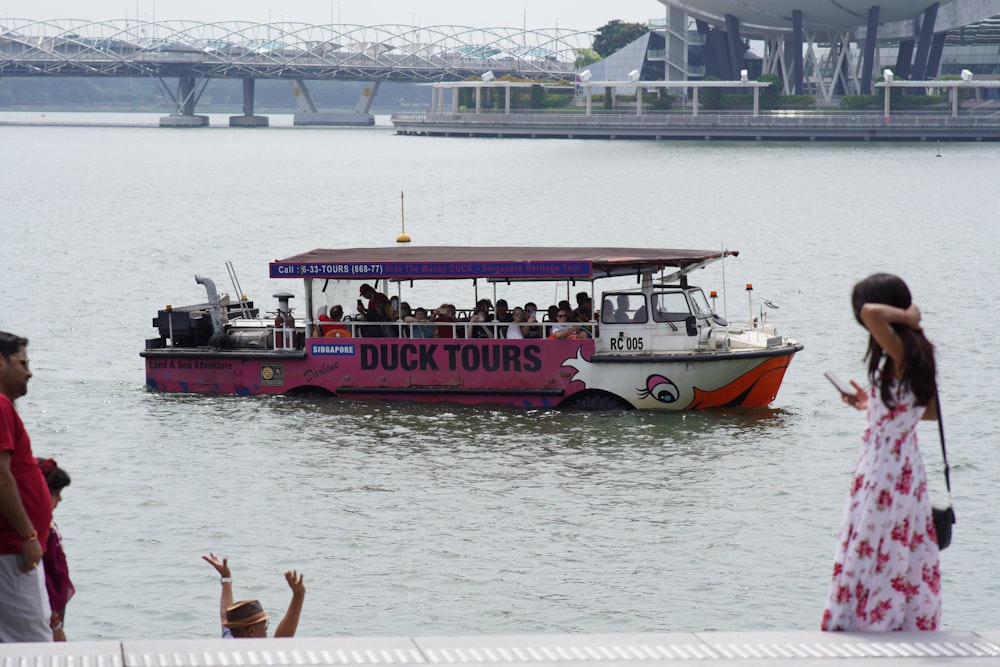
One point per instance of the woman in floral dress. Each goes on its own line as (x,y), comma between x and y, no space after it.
(886,573)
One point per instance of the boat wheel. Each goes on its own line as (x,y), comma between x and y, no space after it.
(599,401)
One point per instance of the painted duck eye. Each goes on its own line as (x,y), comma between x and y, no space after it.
(660,388)
(664,392)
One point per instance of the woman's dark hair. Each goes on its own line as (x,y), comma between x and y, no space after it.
(918,371)
(55,477)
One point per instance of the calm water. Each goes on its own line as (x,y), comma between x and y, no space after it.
(446,520)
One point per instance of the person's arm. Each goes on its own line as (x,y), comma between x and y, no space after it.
(226,597)
(931,413)
(565,333)
(58,633)
(878,318)
(290,622)
(13,510)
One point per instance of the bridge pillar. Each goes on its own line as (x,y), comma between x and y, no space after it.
(248,119)
(309,113)
(184,103)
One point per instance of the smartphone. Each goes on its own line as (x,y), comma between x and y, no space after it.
(842,387)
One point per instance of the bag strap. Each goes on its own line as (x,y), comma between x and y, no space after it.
(944,452)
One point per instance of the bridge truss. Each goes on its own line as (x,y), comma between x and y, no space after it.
(285,50)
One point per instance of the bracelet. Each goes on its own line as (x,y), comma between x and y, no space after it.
(57,626)
(226,580)
(32,536)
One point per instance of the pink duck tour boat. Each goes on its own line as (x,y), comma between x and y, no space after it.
(534,327)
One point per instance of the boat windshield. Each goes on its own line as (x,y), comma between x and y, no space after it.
(700,303)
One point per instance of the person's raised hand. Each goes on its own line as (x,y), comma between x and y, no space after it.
(295,582)
(221,566)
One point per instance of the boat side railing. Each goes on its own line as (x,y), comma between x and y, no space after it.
(460,329)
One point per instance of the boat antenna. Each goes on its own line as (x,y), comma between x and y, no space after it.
(404,237)
(725,309)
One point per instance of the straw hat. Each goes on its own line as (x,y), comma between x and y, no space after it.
(244,613)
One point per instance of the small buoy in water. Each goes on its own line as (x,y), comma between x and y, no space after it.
(404,237)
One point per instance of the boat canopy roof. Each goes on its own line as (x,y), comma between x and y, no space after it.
(406,262)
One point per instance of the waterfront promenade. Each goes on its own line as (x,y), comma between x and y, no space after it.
(717,648)
(787,125)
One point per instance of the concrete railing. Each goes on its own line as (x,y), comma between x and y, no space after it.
(806,125)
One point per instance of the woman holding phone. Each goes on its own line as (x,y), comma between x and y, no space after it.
(886,572)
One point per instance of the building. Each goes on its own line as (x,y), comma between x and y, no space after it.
(823,49)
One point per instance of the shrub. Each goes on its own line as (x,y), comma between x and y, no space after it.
(769,96)
(710,98)
(861,101)
(793,101)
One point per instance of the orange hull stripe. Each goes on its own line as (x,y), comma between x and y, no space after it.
(754,389)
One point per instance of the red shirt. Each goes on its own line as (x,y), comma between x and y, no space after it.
(31,484)
(324,329)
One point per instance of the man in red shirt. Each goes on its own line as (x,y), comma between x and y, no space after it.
(25,509)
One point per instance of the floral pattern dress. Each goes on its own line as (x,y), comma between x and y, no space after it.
(886,572)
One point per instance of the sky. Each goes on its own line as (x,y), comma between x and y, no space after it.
(533,14)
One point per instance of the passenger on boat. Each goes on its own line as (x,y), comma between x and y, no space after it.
(534,330)
(583,314)
(607,311)
(377,310)
(621,312)
(445,313)
(336,330)
(566,329)
(550,316)
(321,316)
(400,315)
(516,328)
(246,619)
(420,327)
(481,314)
(503,314)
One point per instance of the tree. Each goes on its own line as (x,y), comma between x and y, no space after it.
(585,57)
(615,34)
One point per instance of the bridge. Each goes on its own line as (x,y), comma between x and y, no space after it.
(194,53)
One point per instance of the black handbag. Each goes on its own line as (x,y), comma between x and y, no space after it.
(944,518)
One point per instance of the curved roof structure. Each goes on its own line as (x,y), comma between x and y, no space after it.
(770,16)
